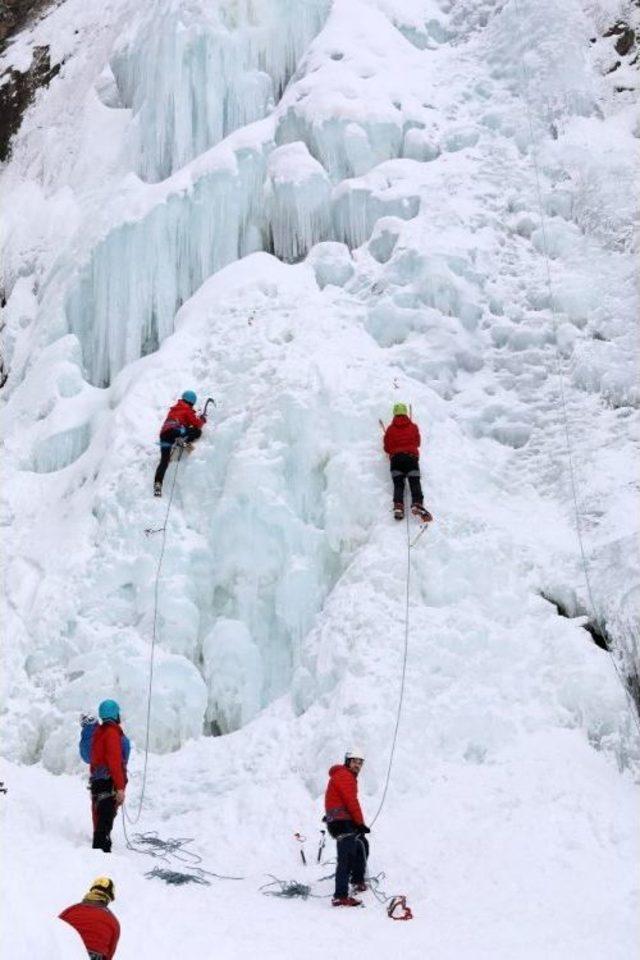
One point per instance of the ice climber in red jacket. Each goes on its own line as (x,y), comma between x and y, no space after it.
(109,753)
(92,918)
(402,443)
(183,424)
(346,825)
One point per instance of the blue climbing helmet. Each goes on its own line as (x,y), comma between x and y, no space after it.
(109,710)
(189,397)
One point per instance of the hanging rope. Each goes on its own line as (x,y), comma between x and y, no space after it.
(403,677)
(561,382)
(154,637)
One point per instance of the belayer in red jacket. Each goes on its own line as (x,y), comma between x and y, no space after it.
(182,423)
(402,443)
(92,918)
(346,825)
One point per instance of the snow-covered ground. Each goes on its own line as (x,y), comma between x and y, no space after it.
(309,211)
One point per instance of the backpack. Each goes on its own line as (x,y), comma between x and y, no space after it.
(89,727)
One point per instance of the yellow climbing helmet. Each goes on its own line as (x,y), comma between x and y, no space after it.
(400,409)
(102,889)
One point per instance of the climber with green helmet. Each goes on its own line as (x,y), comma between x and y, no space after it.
(182,425)
(402,444)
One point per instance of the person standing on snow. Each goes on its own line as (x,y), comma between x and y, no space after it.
(346,825)
(92,918)
(108,777)
(402,443)
(181,423)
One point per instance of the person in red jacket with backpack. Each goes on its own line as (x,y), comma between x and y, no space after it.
(108,752)
(402,443)
(92,918)
(346,825)
(182,423)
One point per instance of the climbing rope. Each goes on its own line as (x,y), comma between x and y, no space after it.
(154,637)
(403,676)
(561,382)
(172,849)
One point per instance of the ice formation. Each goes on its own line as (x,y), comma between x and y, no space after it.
(308,211)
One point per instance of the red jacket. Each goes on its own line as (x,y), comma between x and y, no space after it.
(341,797)
(402,436)
(182,414)
(97,926)
(106,752)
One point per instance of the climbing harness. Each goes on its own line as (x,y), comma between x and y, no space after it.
(561,383)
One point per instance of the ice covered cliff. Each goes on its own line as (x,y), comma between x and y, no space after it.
(309,210)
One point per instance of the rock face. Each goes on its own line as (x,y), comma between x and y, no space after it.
(14,14)
(18,89)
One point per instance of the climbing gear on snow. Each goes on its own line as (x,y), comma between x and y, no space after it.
(399,904)
(398,511)
(288,888)
(175,877)
(189,396)
(301,840)
(421,512)
(346,902)
(321,845)
(400,410)
(109,710)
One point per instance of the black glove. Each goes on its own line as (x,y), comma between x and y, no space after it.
(362,828)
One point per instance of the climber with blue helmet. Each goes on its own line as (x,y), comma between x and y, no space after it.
(107,749)
(182,425)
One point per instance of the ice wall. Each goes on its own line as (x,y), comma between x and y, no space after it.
(398,164)
(192,74)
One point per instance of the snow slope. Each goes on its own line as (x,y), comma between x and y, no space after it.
(359,223)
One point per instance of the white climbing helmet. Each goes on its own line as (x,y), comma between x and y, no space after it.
(356,753)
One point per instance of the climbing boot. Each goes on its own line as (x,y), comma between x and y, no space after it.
(358,887)
(346,902)
(157,489)
(398,511)
(419,511)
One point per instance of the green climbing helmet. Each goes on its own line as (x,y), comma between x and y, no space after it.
(400,409)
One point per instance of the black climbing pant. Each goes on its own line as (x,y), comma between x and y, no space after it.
(353,851)
(167,440)
(404,466)
(103,809)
